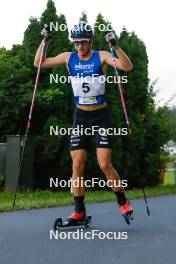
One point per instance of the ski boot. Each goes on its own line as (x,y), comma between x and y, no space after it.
(127,211)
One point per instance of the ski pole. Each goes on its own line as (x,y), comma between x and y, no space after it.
(121,93)
(29,118)
(145,199)
(126,117)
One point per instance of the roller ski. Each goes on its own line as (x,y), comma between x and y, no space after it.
(75,219)
(127,211)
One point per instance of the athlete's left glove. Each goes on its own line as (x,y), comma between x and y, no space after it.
(111,38)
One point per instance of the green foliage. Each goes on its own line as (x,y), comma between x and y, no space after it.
(47,198)
(83,17)
(14,92)
(99,42)
(169,115)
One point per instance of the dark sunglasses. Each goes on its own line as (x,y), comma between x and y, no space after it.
(81,42)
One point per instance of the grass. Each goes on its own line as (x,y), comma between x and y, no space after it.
(41,199)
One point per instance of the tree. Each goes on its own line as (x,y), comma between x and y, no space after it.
(100,26)
(83,16)
(13,96)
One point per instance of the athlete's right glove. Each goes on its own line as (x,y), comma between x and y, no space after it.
(46,32)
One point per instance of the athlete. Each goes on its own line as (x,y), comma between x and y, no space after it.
(86,68)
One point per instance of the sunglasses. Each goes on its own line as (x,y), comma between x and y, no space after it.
(81,42)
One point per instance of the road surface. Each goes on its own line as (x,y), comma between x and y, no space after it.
(26,237)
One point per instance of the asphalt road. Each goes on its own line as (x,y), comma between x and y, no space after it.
(25,236)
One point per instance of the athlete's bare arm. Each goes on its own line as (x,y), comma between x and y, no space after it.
(123,62)
(60,59)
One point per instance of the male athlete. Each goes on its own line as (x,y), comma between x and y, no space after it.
(87,66)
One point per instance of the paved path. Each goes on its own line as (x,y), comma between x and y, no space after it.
(25,236)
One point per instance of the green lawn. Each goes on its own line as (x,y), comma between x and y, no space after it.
(39,199)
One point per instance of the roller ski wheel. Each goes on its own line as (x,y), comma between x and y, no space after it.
(127,212)
(59,223)
(128,217)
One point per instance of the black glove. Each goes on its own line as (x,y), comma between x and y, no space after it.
(111,38)
(46,32)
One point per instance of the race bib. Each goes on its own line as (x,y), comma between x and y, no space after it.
(87,100)
(88,86)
